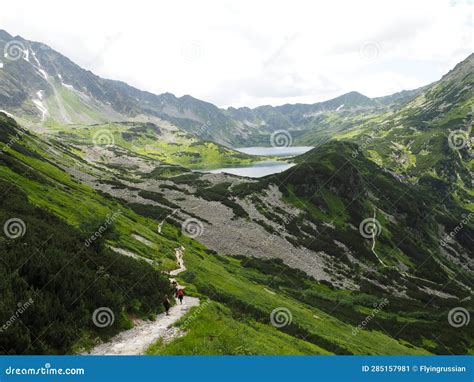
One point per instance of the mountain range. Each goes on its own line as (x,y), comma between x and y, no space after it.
(45,80)
(377,217)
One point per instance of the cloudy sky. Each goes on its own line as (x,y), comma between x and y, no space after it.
(250,53)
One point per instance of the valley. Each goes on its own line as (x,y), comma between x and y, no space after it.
(297,222)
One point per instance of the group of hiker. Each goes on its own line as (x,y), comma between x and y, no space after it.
(178,294)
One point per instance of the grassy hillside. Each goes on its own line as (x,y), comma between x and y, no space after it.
(28,163)
(215,330)
(338,192)
(149,140)
(95,203)
(428,139)
(57,282)
(320,315)
(242,292)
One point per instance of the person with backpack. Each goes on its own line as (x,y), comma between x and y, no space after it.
(167,305)
(180,296)
(175,289)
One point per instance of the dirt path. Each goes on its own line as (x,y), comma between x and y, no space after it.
(179,259)
(136,340)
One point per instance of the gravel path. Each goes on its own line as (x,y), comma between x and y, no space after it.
(135,341)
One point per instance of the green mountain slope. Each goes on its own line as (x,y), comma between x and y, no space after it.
(429,140)
(338,195)
(363,247)
(244,293)
(149,140)
(51,264)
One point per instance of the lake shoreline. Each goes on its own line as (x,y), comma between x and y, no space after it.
(263,167)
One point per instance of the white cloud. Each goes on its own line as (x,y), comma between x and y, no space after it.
(254,52)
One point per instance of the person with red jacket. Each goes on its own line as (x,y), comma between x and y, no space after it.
(180,296)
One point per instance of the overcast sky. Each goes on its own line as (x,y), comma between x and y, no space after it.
(250,53)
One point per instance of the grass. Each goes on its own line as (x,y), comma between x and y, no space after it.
(246,292)
(148,140)
(215,331)
(51,188)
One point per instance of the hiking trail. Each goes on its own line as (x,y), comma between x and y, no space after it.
(135,341)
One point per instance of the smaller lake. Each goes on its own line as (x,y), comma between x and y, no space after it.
(262,168)
(254,170)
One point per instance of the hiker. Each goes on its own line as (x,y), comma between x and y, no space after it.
(180,296)
(167,305)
